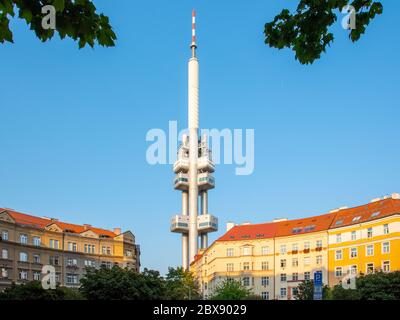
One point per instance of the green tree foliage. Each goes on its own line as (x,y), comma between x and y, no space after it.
(76,19)
(122,284)
(231,290)
(376,286)
(306,31)
(181,285)
(305,291)
(34,291)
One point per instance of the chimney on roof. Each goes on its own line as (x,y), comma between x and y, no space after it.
(86,226)
(117,231)
(395,195)
(279,219)
(229,225)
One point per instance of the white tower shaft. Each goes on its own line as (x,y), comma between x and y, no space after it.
(193,106)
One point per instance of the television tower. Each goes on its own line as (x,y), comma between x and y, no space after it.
(193,169)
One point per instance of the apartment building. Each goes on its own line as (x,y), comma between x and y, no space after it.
(28,242)
(273,258)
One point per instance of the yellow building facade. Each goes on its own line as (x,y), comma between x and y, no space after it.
(273,258)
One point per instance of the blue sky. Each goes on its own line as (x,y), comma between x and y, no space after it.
(74,122)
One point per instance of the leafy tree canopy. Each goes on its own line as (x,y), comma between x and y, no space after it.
(122,284)
(376,286)
(34,291)
(181,285)
(77,19)
(231,290)
(305,291)
(306,31)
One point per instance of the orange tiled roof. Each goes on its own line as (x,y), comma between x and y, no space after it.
(344,217)
(367,212)
(37,222)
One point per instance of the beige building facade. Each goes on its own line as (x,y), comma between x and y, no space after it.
(27,243)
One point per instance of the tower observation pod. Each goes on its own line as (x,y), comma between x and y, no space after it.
(193,173)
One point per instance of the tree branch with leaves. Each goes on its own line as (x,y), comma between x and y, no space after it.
(306,31)
(76,19)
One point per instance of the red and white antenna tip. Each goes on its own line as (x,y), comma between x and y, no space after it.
(193,28)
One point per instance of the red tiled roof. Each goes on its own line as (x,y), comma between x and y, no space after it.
(250,232)
(323,222)
(367,212)
(25,219)
(305,225)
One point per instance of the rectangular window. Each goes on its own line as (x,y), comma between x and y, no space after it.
(72,278)
(283,249)
(307,276)
(265,295)
(54,244)
(307,245)
(319,244)
(246,266)
(338,272)
(229,267)
(283,263)
(4,273)
(353,269)
(23,274)
(370,268)
(319,260)
(36,258)
(283,292)
(54,260)
(264,265)
(72,246)
(23,256)
(338,238)
(353,253)
(246,281)
(264,281)
(295,276)
(246,251)
(36,241)
(306,261)
(370,250)
(23,238)
(90,263)
(369,233)
(4,254)
(295,262)
(36,275)
(72,262)
(353,236)
(229,252)
(295,247)
(386,266)
(89,248)
(265,250)
(338,255)
(385,229)
(283,277)
(386,247)
(4,235)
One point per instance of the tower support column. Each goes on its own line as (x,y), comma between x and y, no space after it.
(185,237)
